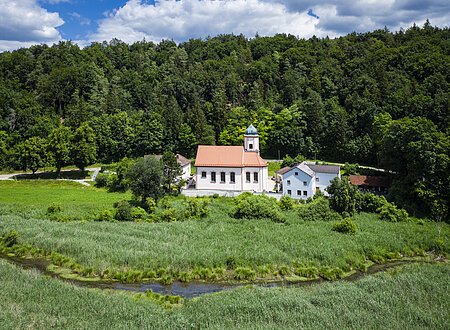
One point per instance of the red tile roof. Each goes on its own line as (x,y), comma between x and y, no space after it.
(228,156)
(373,181)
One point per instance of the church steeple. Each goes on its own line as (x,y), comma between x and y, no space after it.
(251,139)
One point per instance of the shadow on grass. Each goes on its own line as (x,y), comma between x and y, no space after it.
(72,175)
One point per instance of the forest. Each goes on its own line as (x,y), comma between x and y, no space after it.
(378,98)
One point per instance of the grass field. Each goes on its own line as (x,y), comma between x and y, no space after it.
(33,197)
(412,297)
(211,242)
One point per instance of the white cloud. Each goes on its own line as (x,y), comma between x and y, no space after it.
(24,22)
(181,20)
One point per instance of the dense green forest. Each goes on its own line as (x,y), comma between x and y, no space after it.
(378,98)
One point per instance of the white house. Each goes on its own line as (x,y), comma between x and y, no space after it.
(185,165)
(305,179)
(232,168)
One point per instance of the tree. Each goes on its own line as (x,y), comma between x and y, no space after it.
(59,147)
(83,147)
(171,170)
(342,195)
(146,178)
(187,140)
(31,153)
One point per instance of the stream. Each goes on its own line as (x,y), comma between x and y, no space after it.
(186,290)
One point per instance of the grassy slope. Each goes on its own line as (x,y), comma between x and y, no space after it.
(195,243)
(414,297)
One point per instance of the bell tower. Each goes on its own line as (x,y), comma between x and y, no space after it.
(251,139)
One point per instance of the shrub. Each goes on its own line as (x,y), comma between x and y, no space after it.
(287,202)
(54,208)
(123,211)
(250,206)
(105,215)
(101,180)
(318,210)
(150,205)
(368,202)
(346,226)
(138,214)
(196,208)
(390,212)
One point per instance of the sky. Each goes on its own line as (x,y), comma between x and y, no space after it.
(27,22)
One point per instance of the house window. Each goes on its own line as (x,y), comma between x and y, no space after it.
(232,177)
(296,173)
(305,183)
(247,176)
(213,176)
(305,193)
(317,179)
(299,192)
(222,177)
(203,175)
(255,176)
(288,182)
(250,146)
(289,192)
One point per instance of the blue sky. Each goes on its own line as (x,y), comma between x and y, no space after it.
(27,22)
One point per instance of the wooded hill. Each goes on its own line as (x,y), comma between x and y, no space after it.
(376,98)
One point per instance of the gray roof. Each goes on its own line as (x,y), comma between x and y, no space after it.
(324,168)
(251,130)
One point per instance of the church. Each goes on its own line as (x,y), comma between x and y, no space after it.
(232,168)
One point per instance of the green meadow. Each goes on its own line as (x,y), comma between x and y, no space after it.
(410,297)
(219,241)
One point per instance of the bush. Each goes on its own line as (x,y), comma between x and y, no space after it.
(105,215)
(287,203)
(150,205)
(54,208)
(101,180)
(123,211)
(196,207)
(368,202)
(138,214)
(390,212)
(346,226)
(250,206)
(318,210)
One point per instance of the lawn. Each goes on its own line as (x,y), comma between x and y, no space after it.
(413,297)
(215,241)
(33,197)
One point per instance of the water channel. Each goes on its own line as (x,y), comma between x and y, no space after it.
(186,290)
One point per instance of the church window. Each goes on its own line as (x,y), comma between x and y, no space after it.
(255,176)
(247,176)
(232,177)
(213,176)
(222,177)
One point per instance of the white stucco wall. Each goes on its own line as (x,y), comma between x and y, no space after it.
(324,181)
(186,172)
(296,184)
(240,183)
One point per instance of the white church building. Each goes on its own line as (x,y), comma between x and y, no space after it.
(305,179)
(232,168)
